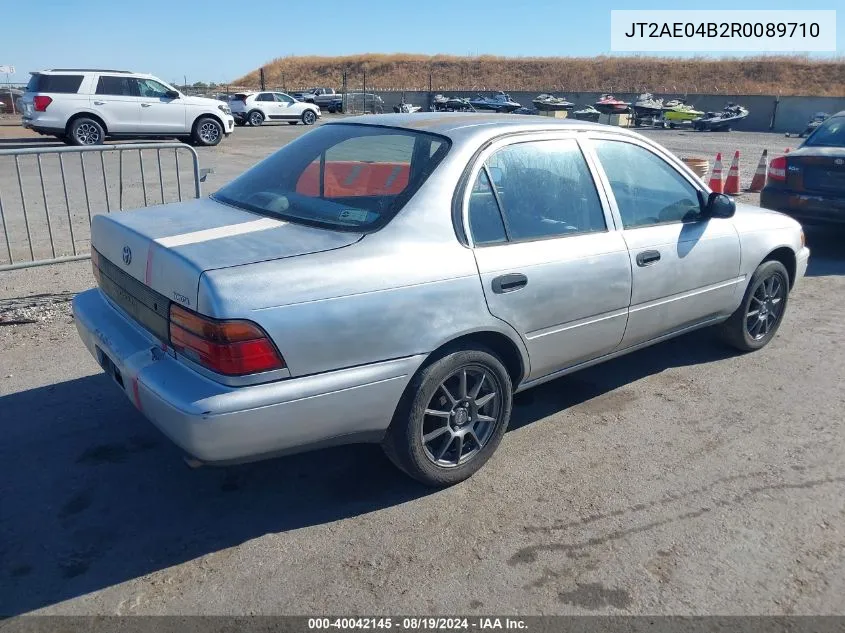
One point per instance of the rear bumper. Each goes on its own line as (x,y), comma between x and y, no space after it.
(805,207)
(48,128)
(219,423)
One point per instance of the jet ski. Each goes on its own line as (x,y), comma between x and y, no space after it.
(720,121)
(441,103)
(406,108)
(647,110)
(588,113)
(679,111)
(499,102)
(608,104)
(549,102)
(646,104)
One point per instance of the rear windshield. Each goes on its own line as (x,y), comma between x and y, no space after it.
(345,176)
(831,133)
(54,83)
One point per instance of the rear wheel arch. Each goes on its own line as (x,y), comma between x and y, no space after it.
(500,344)
(785,256)
(85,115)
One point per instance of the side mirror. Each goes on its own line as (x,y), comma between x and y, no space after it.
(720,206)
(172,94)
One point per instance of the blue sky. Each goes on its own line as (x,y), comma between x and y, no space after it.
(213,40)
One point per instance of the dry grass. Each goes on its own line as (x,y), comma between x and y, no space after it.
(786,75)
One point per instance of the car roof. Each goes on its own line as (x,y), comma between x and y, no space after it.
(61,71)
(460,126)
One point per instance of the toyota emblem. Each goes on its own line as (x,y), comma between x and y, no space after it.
(127,255)
(839,161)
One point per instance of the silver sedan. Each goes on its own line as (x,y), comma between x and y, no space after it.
(396,279)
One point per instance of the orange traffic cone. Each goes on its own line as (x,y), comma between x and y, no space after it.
(732,181)
(759,180)
(715,183)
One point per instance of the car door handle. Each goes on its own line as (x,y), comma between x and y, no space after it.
(146,105)
(647,258)
(509,283)
(99,103)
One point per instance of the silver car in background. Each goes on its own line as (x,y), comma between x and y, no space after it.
(396,279)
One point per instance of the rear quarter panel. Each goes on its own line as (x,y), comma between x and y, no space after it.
(404,290)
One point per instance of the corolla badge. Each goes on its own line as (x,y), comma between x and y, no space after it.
(127,255)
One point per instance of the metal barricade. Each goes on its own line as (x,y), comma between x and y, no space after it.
(39,228)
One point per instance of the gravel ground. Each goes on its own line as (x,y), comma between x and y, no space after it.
(682,479)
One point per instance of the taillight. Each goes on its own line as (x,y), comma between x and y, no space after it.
(777,168)
(233,348)
(41,102)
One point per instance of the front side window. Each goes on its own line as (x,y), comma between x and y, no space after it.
(544,189)
(152,89)
(648,190)
(118,86)
(283,98)
(342,176)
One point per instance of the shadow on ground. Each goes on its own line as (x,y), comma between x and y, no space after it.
(92,494)
(30,142)
(827,250)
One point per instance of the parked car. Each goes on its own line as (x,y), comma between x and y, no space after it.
(358,102)
(86,106)
(254,108)
(397,279)
(809,182)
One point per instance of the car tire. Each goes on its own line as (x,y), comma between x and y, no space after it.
(85,131)
(207,132)
(309,117)
(255,118)
(758,317)
(443,459)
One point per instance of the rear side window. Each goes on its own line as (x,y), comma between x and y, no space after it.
(119,86)
(544,189)
(265,96)
(66,84)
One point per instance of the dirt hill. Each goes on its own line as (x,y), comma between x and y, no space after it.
(787,75)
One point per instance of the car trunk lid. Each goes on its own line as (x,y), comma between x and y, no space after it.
(167,248)
(816,170)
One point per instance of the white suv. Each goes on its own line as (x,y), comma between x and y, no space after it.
(86,106)
(254,108)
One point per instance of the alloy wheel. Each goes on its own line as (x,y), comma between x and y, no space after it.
(209,132)
(765,307)
(256,119)
(461,416)
(87,134)
(309,117)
